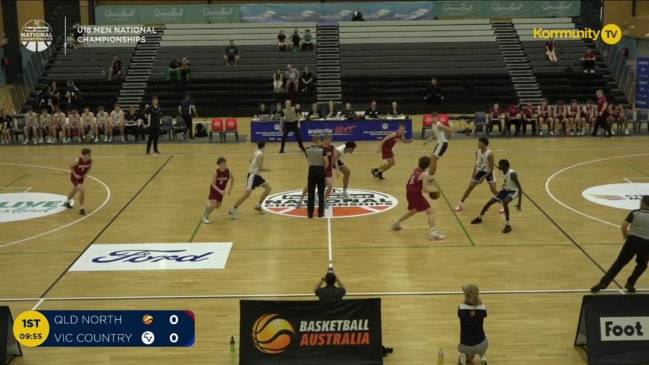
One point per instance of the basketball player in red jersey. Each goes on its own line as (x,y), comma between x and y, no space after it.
(385,148)
(574,119)
(417,185)
(79,170)
(588,116)
(601,115)
(560,117)
(545,116)
(220,180)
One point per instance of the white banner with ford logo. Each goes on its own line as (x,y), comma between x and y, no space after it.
(154,256)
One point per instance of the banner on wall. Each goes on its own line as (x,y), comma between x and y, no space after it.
(339,130)
(310,332)
(167,14)
(642,83)
(506,9)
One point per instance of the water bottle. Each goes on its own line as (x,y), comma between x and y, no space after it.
(440,357)
(233,347)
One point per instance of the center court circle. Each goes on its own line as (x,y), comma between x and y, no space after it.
(358,203)
(23,206)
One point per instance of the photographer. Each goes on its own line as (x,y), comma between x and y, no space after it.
(330,292)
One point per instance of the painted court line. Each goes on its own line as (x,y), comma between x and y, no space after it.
(306,295)
(69,224)
(549,180)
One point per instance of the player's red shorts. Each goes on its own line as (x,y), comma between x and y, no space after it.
(329,173)
(417,201)
(387,154)
(75,181)
(215,195)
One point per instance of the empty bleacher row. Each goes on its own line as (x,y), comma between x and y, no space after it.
(395,61)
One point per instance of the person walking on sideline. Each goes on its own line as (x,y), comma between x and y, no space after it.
(636,243)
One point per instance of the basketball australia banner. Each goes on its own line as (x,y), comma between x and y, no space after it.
(310,332)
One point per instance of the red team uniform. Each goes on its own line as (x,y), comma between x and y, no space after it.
(414,192)
(222,178)
(329,171)
(80,169)
(386,149)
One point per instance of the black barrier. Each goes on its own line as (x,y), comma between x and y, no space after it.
(310,332)
(614,329)
(9,347)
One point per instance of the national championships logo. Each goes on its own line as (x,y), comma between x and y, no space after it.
(358,203)
(36,35)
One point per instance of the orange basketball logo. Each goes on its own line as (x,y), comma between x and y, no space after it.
(271,334)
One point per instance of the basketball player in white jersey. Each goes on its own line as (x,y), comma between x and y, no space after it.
(483,170)
(439,133)
(45,122)
(88,122)
(74,124)
(340,166)
(254,181)
(31,126)
(101,124)
(58,124)
(116,121)
(511,190)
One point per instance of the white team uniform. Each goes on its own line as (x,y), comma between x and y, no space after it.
(442,142)
(483,168)
(509,187)
(341,149)
(254,180)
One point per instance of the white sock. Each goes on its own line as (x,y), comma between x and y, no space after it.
(67,201)
(81,207)
(433,231)
(507,223)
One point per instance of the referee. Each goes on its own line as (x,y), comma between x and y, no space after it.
(636,244)
(317,157)
(290,123)
(155,114)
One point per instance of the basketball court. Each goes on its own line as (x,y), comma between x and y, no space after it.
(532,279)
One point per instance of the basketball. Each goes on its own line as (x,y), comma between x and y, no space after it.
(434,195)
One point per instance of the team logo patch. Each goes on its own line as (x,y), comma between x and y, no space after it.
(622,196)
(23,206)
(358,203)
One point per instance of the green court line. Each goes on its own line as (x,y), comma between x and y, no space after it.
(638,170)
(198,226)
(13,182)
(457,217)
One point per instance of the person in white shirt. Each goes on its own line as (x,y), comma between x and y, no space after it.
(439,133)
(482,170)
(31,126)
(340,166)
(254,181)
(116,121)
(102,124)
(88,121)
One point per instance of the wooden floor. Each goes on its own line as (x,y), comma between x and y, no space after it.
(533,279)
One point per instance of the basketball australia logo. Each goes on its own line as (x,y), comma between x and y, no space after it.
(36,35)
(622,196)
(272,334)
(357,203)
(23,206)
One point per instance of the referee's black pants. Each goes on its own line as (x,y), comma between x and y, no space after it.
(316,179)
(602,121)
(189,124)
(154,134)
(291,127)
(633,246)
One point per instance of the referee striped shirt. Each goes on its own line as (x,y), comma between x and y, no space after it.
(314,155)
(639,220)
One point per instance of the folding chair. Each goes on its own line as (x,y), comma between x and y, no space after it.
(642,117)
(231,126)
(19,129)
(179,128)
(427,124)
(217,127)
(480,121)
(167,125)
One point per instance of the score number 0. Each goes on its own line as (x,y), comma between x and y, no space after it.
(173,319)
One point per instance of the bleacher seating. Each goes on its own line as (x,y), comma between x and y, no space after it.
(226,90)
(395,61)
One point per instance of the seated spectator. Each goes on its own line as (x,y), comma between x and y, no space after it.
(262,110)
(278,81)
(307,81)
(54,93)
(278,111)
(75,35)
(6,126)
(493,118)
(588,61)
(231,54)
(473,340)
(73,95)
(332,111)
(292,77)
(513,116)
(173,72)
(115,68)
(282,45)
(434,92)
(314,113)
(357,16)
(330,292)
(395,111)
(295,39)
(132,124)
(306,41)
(298,112)
(372,112)
(348,112)
(531,117)
(184,69)
(551,50)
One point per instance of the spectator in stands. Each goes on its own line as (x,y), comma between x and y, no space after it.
(330,292)
(395,111)
(372,112)
(306,41)
(186,109)
(44,99)
(6,125)
(307,81)
(115,68)
(231,54)
(277,112)
(314,113)
(262,110)
(348,111)
(282,45)
(332,112)
(298,112)
(278,81)
(494,116)
(54,93)
(531,117)
(433,92)
(292,77)
(184,69)
(75,35)
(588,61)
(514,117)
(73,95)
(295,39)
(551,50)
(357,16)
(132,124)
(173,72)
